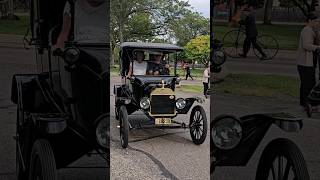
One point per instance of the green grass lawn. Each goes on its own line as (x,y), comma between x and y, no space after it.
(272,86)
(18,27)
(190,89)
(287,35)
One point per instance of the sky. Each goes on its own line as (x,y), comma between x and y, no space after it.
(202,6)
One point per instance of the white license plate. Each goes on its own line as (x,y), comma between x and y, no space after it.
(163,121)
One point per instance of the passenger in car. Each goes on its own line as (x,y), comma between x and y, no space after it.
(89,22)
(158,66)
(138,66)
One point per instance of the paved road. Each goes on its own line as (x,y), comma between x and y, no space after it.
(158,154)
(18,60)
(307,139)
(280,65)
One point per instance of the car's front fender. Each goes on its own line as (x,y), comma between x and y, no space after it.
(190,102)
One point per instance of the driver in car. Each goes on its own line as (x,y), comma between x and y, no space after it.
(138,64)
(158,66)
(89,22)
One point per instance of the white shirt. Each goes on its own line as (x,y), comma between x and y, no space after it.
(139,68)
(206,75)
(90,24)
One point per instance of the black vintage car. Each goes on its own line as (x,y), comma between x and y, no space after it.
(234,140)
(63,110)
(154,94)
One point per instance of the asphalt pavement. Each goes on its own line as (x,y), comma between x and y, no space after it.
(14,59)
(283,64)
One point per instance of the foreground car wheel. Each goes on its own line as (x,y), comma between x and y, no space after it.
(42,164)
(282,159)
(198,125)
(124,127)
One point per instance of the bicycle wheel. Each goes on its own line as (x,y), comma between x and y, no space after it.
(233,43)
(269,46)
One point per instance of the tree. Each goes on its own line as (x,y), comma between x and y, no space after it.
(267,12)
(134,20)
(198,49)
(192,24)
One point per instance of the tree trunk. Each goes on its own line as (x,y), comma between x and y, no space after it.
(267,12)
(232,9)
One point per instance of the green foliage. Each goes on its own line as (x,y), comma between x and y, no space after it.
(198,49)
(189,26)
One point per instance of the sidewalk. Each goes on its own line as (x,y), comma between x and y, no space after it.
(11,41)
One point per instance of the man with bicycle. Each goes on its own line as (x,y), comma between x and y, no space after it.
(247,19)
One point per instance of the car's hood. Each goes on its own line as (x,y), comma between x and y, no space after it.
(147,80)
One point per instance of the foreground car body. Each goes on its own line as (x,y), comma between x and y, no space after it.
(63,111)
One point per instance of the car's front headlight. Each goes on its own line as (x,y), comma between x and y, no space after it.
(145,103)
(181,103)
(226,132)
(72,55)
(103,133)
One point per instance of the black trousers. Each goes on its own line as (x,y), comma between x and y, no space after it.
(189,75)
(247,44)
(307,82)
(205,88)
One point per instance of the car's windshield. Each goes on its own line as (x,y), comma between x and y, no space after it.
(151,62)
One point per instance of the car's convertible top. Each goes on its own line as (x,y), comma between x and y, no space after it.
(143,45)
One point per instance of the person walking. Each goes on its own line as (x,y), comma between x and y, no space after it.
(249,21)
(305,60)
(205,81)
(188,72)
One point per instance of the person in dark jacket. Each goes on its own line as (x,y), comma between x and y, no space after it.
(188,72)
(251,31)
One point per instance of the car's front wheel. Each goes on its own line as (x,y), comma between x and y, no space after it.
(124,126)
(198,125)
(282,159)
(42,164)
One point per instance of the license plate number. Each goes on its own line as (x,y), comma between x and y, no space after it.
(162,121)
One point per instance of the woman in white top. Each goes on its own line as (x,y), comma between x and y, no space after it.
(90,24)
(138,66)
(206,76)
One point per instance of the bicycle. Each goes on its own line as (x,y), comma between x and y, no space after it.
(233,44)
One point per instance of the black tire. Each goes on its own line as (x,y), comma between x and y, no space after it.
(280,150)
(233,43)
(21,173)
(269,45)
(124,127)
(198,125)
(42,163)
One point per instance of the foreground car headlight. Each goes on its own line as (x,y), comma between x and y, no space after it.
(226,132)
(145,103)
(103,133)
(181,103)
(72,55)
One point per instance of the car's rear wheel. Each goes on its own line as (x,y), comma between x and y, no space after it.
(282,159)
(42,164)
(124,127)
(198,125)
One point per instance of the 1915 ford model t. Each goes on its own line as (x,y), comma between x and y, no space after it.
(153,92)
(234,140)
(63,111)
